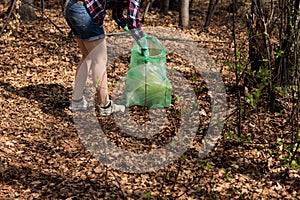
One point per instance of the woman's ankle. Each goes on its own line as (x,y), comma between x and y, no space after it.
(107,104)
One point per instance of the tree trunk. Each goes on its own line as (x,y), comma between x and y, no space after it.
(257,48)
(288,41)
(184,14)
(26,11)
(165,6)
(210,12)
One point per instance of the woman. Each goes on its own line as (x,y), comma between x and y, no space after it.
(85,18)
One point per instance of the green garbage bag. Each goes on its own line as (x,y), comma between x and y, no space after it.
(146,80)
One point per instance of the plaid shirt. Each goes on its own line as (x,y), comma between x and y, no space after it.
(96,9)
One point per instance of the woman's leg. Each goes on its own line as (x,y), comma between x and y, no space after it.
(97,54)
(81,71)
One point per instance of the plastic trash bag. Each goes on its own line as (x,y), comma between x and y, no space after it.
(146,80)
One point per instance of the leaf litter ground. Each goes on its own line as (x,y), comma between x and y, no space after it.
(42,157)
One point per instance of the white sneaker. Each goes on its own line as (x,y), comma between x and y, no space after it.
(79,106)
(111,109)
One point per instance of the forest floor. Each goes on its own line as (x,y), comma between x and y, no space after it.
(43,157)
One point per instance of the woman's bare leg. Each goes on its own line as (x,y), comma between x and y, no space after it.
(94,55)
(98,56)
(81,71)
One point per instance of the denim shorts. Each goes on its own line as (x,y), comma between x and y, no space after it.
(81,22)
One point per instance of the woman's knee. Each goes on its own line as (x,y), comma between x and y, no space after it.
(95,45)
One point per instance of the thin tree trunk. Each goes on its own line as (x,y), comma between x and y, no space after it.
(210,12)
(288,40)
(165,6)
(237,75)
(9,13)
(184,14)
(257,48)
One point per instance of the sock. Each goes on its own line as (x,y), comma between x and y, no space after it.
(77,100)
(107,105)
